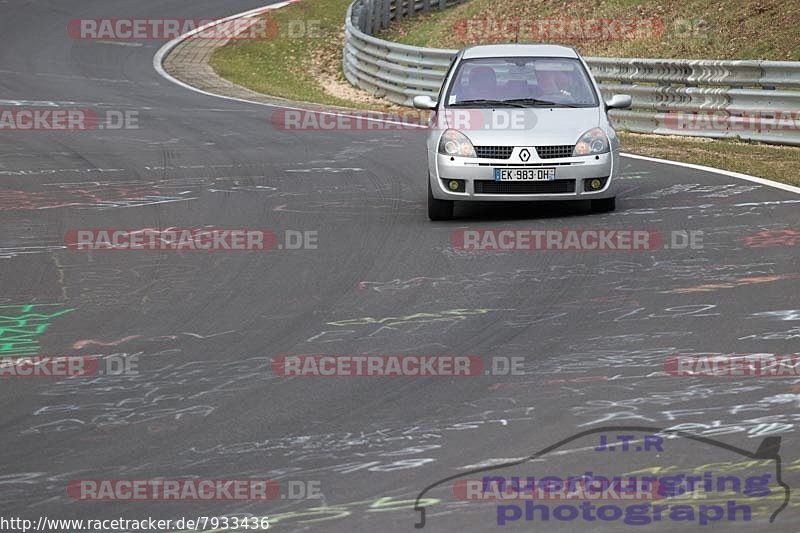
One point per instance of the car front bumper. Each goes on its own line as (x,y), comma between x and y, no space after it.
(571,174)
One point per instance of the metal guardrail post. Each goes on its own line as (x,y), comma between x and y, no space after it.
(386,13)
(370,7)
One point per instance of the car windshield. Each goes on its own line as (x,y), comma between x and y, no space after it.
(521,82)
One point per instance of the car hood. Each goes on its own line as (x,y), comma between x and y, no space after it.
(523,126)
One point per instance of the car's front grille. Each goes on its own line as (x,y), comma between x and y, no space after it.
(504,152)
(524,187)
(553,152)
(494,152)
(527,165)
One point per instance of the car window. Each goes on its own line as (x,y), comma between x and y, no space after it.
(446,76)
(560,81)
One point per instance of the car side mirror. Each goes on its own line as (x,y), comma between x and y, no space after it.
(619,101)
(424,102)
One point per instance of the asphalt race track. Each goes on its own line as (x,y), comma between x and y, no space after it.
(593,328)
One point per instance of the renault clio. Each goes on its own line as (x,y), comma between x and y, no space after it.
(516,122)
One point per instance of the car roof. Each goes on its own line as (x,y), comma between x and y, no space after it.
(519,50)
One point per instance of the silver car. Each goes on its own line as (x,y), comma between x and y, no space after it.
(518,122)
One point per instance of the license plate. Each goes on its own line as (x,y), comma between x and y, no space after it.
(524,174)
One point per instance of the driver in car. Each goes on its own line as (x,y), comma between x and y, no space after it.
(554,84)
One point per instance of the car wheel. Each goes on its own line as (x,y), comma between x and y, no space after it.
(604,204)
(439,209)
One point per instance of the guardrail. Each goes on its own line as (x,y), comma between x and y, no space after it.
(757,100)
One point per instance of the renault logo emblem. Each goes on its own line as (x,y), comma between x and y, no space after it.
(524,155)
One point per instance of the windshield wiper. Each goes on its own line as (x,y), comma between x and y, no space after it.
(482,101)
(536,101)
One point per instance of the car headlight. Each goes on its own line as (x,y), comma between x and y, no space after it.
(453,142)
(592,142)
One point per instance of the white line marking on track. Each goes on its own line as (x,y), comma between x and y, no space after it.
(120,43)
(738,175)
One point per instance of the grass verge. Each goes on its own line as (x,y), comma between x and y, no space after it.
(779,163)
(302,62)
(743,29)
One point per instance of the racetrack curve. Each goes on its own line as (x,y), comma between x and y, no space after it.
(594,327)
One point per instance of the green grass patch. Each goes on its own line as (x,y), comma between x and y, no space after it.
(290,65)
(779,163)
(701,29)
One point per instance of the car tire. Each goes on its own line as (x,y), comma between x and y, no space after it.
(604,204)
(439,209)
